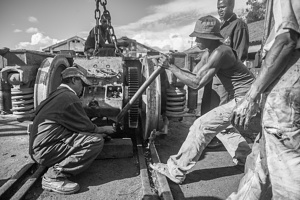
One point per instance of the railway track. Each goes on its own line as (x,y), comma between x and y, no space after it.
(153,185)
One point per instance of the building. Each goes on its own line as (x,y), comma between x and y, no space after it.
(76,44)
(256,32)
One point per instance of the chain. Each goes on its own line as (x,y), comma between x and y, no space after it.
(106,15)
(97,27)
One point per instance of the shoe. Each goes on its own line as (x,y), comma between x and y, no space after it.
(214,143)
(164,170)
(60,185)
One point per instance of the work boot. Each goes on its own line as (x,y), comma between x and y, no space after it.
(164,170)
(60,185)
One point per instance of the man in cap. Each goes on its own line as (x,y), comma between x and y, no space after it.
(236,35)
(62,136)
(237,79)
(273,167)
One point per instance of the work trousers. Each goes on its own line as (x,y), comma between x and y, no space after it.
(219,96)
(71,155)
(273,168)
(201,133)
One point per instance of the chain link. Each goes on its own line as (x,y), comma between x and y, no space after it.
(103,3)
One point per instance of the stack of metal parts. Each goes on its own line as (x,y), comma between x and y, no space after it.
(22,101)
(176,100)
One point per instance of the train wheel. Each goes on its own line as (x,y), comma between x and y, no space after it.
(151,100)
(48,77)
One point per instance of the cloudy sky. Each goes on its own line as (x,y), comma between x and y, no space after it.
(161,24)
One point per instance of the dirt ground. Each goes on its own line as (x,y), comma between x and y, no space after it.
(13,147)
(214,176)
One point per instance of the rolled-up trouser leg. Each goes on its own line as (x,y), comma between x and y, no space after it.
(201,133)
(73,155)
(255,184)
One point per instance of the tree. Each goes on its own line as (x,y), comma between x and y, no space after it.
(255,11)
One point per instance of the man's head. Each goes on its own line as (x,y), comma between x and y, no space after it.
(104,22)
(207,31)
(225,9)
(75,78)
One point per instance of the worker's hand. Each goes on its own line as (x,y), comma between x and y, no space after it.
(243,112)
(163,62)
(106,137)
(107,130)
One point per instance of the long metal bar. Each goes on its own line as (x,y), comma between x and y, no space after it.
(147,191)
(139,93)
(7,187)
(164,190)
(20,194)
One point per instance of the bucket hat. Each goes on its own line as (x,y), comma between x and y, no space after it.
(76,72)
(207,27)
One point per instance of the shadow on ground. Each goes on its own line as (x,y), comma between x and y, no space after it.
(104,179)
(210,174)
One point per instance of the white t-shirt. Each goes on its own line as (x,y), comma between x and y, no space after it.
(287,16)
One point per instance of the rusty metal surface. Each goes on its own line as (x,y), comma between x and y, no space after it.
(151,100)
(48,77)
(25,57)
(107,69)
(105,97)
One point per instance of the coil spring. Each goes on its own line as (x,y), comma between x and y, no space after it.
(176,100)
(22,101)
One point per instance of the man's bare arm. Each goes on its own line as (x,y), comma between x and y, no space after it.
(275,62)
(203,61)
(205,73)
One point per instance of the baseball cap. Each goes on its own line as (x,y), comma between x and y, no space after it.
(207,27)
(76,72)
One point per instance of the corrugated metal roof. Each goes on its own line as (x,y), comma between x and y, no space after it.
(256,31)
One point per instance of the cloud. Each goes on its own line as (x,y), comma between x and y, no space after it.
(32,19)
(32,30)
(38,42)
(17,31)
(168,26)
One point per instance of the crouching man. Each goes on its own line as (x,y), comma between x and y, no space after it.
(62,137)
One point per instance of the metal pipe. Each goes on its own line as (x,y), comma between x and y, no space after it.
(139,93)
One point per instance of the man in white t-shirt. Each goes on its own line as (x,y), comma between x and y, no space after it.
(273,167)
